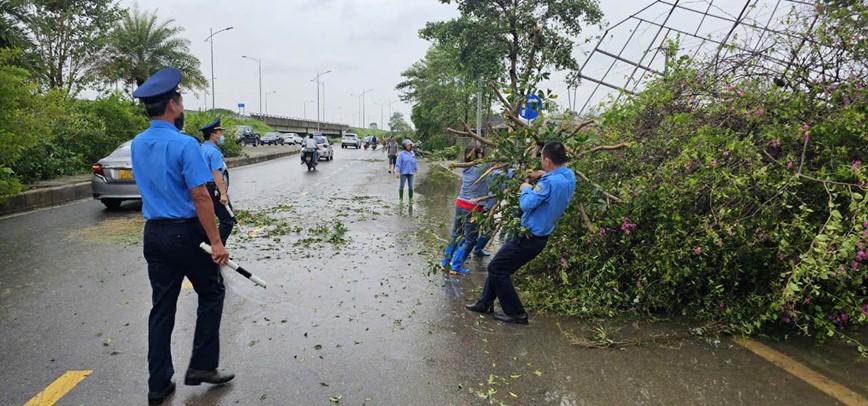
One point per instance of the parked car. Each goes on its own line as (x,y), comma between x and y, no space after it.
(326,153)
(112,181)
(292,138)
(245,135)
(272,138)
(351,140)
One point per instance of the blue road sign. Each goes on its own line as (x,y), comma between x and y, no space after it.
(530,109)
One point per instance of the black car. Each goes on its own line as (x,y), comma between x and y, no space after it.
(245,135)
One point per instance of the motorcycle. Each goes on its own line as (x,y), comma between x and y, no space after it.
(310,158)
(366,145)
(373,145)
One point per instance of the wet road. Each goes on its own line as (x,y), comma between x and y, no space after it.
(353,313)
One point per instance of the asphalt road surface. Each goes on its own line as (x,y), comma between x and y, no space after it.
(354,313)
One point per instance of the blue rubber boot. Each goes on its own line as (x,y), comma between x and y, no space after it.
(458,260)
(480,245)
(447,255)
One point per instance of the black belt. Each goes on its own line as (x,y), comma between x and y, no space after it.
(536,237)
(173,221)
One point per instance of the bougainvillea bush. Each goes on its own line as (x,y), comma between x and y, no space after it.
(743,205)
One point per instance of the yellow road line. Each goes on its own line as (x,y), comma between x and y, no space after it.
(799,370)
(58,388)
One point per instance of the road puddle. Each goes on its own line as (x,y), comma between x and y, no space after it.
(124,231)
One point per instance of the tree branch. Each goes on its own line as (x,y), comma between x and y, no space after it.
(471,135)
(605,148)
(598,187)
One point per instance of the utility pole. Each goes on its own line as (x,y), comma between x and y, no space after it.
(266,100)
(211,40)
(318,74)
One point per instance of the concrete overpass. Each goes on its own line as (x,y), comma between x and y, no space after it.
(299,126)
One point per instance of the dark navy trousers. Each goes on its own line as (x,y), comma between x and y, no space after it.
(514,254)
(172,251)
(226,221)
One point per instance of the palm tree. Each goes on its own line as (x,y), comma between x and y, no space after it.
(141,45)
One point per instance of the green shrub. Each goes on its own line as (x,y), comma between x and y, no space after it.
(744,207)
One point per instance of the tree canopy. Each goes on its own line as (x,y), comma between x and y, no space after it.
(141,44)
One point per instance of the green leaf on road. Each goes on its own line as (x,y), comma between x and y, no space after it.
(537,373)
(317,347)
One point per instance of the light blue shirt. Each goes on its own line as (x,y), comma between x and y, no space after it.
(472,187)
(406,164)
(213,156)
(544,203)
(166,165)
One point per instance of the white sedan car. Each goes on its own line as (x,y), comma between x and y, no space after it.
(326,153)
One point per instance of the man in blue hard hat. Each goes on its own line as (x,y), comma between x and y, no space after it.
(212,134)
(171,174)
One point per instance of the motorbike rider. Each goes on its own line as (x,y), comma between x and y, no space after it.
(310,144)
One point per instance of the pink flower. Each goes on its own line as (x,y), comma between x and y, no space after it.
(805,127)
(697,250)
(865,309)
(712,164)
(818,7)
(846,101)
(731,233)
(833,86)
(740,93)
(807,301)
(789,164)
(720,305)
(759,112)
(775,143)
(729,88)
(854,265)
(564,263)
(855,166)
(807,135)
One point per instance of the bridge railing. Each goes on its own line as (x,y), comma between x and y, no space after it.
(264,116)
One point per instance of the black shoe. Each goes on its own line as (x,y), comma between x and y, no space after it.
(195,377)
(480,308)
(510,318)
(157,398)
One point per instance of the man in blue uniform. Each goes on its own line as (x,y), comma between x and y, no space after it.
(212,134)
(171,174)
(541,206)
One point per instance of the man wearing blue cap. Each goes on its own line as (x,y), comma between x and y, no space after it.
(171,174)
(212,133)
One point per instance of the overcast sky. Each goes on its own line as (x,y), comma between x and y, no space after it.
(365,43)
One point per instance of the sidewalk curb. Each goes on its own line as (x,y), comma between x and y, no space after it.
(57,195)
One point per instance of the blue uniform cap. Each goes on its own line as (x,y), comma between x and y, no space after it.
(164,82)
(211,127)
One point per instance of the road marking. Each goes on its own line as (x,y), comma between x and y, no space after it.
(186,284)
(58,388)
(799,370)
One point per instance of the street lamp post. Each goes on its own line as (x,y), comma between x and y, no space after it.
(318,74)
(266,100)
(390,114)
(211,40)
(364,116)
(382,126)
(360,110)
(258,61)
(305,109)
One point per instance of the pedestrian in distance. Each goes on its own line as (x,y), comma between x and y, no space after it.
(392,150)
(212,133)
(465,232)
(541,206)
(171,174)
(405,169)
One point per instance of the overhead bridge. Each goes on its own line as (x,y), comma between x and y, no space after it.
(300,126)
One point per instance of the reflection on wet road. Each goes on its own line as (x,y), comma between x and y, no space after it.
(354,313)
